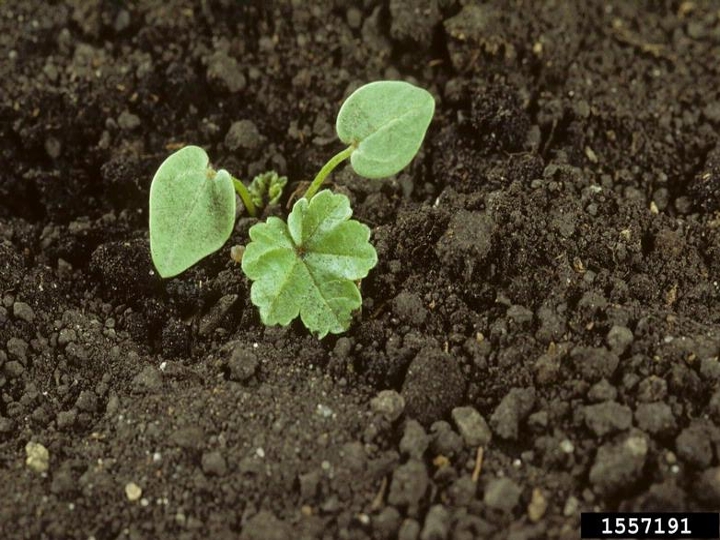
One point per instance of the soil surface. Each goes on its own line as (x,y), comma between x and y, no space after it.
(540,337)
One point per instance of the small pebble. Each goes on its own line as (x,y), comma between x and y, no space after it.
(619,338)
(23,312)
(472,426)
(38,457)
(354,17)
(13,369)
(122,20)
(226,72)
(66,419)
(53,147)
(567,446)
(517,404)
(607,417)
(409,307)
(243,134)
(434,385)
(128,121)
(445,442)
(133,491)
(17,348)
(243,363)
(87,401)
(619,464)
(502,494)
(538,505)
(571,506)
(389,403)
(415,440)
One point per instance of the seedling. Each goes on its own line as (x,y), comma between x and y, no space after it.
(266,189)
(310,265)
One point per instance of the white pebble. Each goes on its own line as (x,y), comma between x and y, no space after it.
(133,491)
(567,446)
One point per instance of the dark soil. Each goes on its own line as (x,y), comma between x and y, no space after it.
(547,289)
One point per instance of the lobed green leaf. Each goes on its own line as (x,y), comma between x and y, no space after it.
(386,121)
(308,267)
(192,211)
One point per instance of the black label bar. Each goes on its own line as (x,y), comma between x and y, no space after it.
(650,525)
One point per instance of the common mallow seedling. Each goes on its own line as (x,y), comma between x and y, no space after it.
(311,265)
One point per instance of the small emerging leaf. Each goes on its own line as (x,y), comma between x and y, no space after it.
(192,211)
(267,188)
(386,121)
(309,266)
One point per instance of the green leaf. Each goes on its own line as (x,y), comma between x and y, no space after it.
(309,266)
(386,121)
(192,211)
(267,188)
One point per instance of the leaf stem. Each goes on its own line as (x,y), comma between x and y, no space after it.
(327,169)
(244,196)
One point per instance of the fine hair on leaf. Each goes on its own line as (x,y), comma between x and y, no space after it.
(308,266)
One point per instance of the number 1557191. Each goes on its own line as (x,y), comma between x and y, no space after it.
(650,525)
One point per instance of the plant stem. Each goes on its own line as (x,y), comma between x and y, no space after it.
(244,196)
(327,169)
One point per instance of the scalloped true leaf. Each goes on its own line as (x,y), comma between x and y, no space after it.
(386,121)
(192,211)
(309,266)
